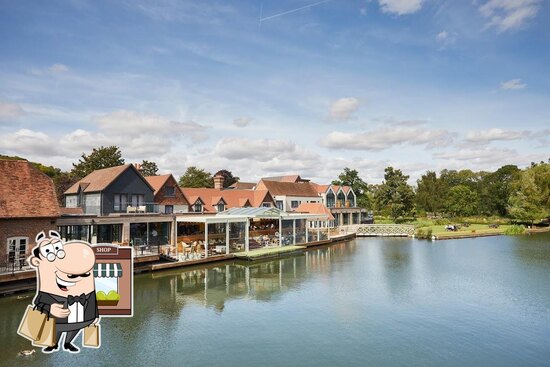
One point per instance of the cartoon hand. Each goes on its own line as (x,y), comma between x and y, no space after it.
(57,310)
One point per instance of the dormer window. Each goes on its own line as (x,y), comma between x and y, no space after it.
(197,208)
(221,207)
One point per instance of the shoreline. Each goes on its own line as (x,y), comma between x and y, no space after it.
(490,234)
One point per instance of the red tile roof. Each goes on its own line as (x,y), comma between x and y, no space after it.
(26,192)
(232,198)
(100,179)
(243,185)
(314,208)
(289,178)
(305,189)
(157,182)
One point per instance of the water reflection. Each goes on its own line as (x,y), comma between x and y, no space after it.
(212,287)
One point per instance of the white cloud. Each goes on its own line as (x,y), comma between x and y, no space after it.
(489,135)
(445,38)
(242,121)
(400,7)
(58,68)
(138,135)
(507,15)
(513,84)
(343,108)
(486,158)
(386,138)
(131,123)
(10,110)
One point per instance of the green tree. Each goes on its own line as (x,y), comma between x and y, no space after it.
(149,168)
(228,178)
(496,188)
(395,195)
(429,193)
(461,201)
(102,157)
(530,198)
(350,177)
(196,177)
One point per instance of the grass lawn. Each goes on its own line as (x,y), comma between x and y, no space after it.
(473,229)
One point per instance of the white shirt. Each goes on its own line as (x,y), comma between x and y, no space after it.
(77,313)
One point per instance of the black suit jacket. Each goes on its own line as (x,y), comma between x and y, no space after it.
(43,302)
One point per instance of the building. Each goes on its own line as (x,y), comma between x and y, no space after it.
(28,205)
(120,189)
(342,202)
(289,195)
(168,195)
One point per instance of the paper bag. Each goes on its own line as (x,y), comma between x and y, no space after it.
(32,323)
(47,337)
(91,336)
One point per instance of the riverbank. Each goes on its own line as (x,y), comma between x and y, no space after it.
(439,232)
(24,281)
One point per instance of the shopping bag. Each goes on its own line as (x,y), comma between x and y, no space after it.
(47,337)
(91,336)
(32,323)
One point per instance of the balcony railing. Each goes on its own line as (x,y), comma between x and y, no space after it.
(9,264)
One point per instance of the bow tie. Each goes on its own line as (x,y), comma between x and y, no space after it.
(81,299)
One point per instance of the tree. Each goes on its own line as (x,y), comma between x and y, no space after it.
(350,177)
(461,201)
(102,157)
(228,178)
(196,177)
(430,193)
(148,168)
(530,198)
(395,195)
(496,188)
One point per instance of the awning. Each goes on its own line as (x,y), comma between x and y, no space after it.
(108,270)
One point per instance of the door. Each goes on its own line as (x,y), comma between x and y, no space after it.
(17,251)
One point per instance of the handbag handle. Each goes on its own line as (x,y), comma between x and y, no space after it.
(42,309)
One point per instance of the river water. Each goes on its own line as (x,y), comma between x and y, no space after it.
(371,301)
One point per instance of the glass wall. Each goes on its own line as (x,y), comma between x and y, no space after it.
(148,237)
(109,233)
(237,237)
(300,231)
(77,232)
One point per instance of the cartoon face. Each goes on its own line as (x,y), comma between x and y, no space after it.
(63,268)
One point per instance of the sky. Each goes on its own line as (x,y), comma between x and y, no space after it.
(266,88)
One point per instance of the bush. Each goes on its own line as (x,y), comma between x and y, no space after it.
(420,233)
(514,230)
(429,233)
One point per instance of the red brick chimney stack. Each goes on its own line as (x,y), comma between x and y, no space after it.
(218,181)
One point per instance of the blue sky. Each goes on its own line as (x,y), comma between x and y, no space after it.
(275,87)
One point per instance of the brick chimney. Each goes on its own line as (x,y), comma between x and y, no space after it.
(138,166)
(218,181)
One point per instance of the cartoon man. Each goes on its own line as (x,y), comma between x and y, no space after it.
(66,288)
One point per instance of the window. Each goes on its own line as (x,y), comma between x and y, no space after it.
(280,204)
(168,209)
(169,191)
(138,199)
(221,207)
(121,202)
(197,208)
(294,204)
(330,200)
(17,250)
(266,205)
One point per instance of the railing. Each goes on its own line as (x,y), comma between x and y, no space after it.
(390,230)
(10,265)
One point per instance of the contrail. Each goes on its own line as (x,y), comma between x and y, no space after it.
(291,11)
